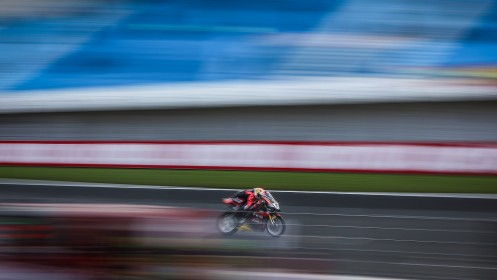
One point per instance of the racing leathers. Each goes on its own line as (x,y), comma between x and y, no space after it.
(249,202)
(247,198)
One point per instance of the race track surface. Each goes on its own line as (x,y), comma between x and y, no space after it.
(402,236)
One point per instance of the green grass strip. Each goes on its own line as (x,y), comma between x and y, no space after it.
(351,182)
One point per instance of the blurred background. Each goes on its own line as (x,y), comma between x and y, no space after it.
(53,45)
(391,105)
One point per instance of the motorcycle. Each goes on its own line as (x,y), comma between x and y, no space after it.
(266,217)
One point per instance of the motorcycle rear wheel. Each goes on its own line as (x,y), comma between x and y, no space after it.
(227,223)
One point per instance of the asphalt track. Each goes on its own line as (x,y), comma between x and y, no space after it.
(403,236)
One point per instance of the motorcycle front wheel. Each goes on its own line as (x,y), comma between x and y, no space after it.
(276,227)
(227,223)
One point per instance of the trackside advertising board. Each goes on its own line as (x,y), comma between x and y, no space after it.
(457,158)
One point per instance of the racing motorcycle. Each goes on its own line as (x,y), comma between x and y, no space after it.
(266,217)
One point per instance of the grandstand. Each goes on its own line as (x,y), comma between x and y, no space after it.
(162,55)
(116,43)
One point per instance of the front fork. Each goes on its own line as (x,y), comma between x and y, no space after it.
(272,218)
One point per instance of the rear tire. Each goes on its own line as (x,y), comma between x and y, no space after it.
(227,223)
(278,228)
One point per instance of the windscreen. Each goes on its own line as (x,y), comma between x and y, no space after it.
(272,202)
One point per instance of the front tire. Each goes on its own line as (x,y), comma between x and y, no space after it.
(277,227)
(227,223)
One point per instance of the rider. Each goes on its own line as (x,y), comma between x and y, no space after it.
(249,200)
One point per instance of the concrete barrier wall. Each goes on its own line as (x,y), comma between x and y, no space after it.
(440,122)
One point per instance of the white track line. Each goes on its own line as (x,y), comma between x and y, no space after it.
(472,256)
(394,228)
(102,185)
(129,186)
(420,264)
(391,240)
(392,217)
(425,256)
(386,262)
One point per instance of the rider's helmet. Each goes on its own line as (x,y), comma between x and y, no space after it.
(259,192)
